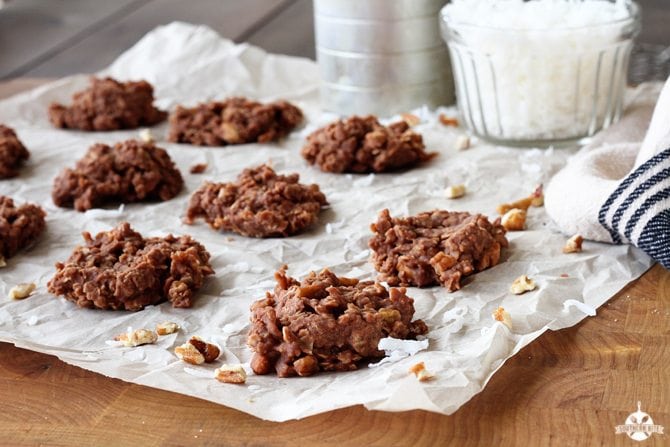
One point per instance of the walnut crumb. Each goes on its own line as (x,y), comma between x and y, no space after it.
(146,136)
(137,338)
(522,285)
(462,142)
(3,263)
(197,351)
(198,168)
(21,291)
(500,314)
(410,119)
(536,199)
(231,374)
(455,191)
(574,244)
(514,220)
(421,373)
(166,328)
(448,120)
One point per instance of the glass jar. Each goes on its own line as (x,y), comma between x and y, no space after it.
(540,87)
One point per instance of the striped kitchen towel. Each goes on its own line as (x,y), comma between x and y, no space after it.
(638,211)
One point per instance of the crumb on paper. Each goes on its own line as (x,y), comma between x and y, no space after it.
(514,220)
(198,168)
(449,120)
(146,136)
(455,191)
(197,351)
(536,199)
(500,314)
(522,285)
(410,119)
(167,327)
(564,275)
(231,374)
(574,244)
(3,263)
(139,337)
(462,143)
(421,373)
(21,291)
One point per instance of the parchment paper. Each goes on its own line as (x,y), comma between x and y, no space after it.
(188,64)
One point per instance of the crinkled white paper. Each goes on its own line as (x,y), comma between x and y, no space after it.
(187,64)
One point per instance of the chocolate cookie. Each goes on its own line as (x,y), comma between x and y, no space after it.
(109,105)
(12,153)
(259,204)
(131,171)
(362,144)
(233,121)
(435,247)
(119,269)
(19,226)
(326,323)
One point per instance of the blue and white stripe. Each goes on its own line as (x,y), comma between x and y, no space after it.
(638,211)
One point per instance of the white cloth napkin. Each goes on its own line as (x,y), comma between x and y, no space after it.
(617,189)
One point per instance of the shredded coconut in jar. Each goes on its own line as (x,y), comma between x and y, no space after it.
(541,69)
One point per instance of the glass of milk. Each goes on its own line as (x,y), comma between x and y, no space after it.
(541,72)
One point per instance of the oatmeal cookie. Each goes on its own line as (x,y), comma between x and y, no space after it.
(434,247)
(131,171)
(233,121)
(109,105)
(326,323)
(19,226)
(121,270)
(12,153)
(362,144)
(259,204)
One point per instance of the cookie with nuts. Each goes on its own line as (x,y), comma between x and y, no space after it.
(326,323)
(19,226)
(434,247)
(12,153)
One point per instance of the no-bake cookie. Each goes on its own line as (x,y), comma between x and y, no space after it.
(362,144)
(260,203)
(131,171)
(12,153)
(19,226)
(233,121)
(326,323)
(109,105)
(435,247)
(119,269)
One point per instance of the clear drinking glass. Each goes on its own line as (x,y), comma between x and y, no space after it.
(540,87)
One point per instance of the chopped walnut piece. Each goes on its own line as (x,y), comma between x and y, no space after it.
(410,119)
(137,338)
(198,168)
(166,328)
(231,374)
(190,354)
(21,291)
(462,142)
(514,220)
(146,136)
(536,199)
(197,351)
(421,373)
(500,314)
(574,244)
(455,191)
(448,120)
(522,285)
